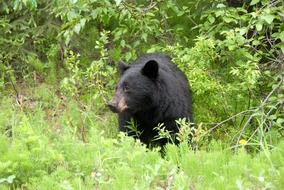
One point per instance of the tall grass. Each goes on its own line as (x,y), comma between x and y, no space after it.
(49,141)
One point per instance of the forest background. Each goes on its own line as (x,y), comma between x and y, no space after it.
(58,68)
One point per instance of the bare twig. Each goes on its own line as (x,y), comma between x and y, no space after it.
(264,120)
(150,6)
(258,108)
(14,88)
(247,108)
(230,118)
(191,20)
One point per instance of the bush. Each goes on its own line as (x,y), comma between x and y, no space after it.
(58,67)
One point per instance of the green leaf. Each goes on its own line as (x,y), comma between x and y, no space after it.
(11,178)
(83,22)
(77,28)
(255,42)
(122,43)
(243,31)
(150,14)
(144,36)
(211,19)
(228,19)
(282,48)
(279,36)
(258,26)
(254,14)
(118,2)
(31,4)
(17,5)
(268,18)
(71,15)
(253,2)
(128,56)
(280,121)
(221,6)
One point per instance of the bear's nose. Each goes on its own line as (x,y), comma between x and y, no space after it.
(112,106)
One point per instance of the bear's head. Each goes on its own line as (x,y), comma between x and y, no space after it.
(137,88)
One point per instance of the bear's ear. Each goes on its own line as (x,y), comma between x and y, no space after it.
(150,69)
(122,67)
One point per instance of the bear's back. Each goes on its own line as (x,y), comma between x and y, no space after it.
(164,62)
(173,80)
(162,59)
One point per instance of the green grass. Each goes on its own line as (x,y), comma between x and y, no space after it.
(50,141)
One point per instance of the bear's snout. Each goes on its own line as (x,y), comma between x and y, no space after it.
(117,104)
(112,106)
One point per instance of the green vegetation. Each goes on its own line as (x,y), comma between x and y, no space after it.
(57,69)
(50,142)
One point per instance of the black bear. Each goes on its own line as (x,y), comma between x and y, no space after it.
(151,90)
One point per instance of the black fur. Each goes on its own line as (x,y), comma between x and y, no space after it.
(155,91)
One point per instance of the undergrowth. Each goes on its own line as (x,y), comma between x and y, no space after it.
(50,141)
(57,69)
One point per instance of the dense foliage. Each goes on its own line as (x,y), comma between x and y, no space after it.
(58,67)
(52,143)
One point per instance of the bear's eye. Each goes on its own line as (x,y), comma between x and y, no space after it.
(125,88)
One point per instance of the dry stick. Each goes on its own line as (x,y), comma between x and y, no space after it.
(267,38)
(150,6)
(15,89)
(266,115)
(248,106)
(191,19)
(228,119)
(258,108)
